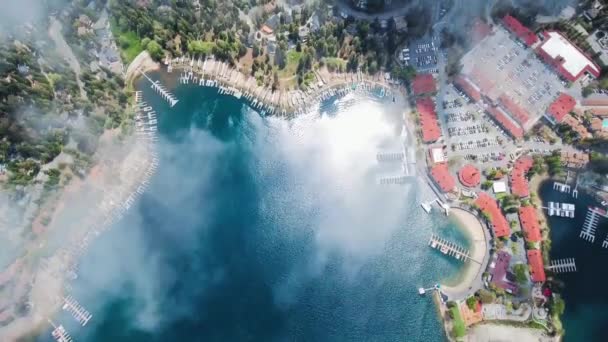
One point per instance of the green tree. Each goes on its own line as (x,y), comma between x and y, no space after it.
(155,50)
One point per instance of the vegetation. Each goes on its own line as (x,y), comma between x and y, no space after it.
(458,329)
(521,273)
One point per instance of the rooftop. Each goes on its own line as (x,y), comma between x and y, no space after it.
(428,120)
(470,88)
(499,272)
(563,105)
(469,176)
(569,60)
(519,182)
(529,223)
(537,266)
(517,112)
(518,29)
(506,122)
(442,177)
(424,84)
(498,221)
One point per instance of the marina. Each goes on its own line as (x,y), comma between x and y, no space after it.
(592,219)
(561,187)
(80,314)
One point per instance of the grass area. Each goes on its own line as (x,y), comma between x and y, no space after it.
(293,58)
(459,329)
(335,64)
(128,42)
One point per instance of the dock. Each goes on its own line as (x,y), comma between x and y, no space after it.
(560,209)
(562,265)
(605,242)
(399,180)
(561,187)
(60,334)
(426,207)
(161,90)
(591,221)
(80,314)
(422,291)
(449,248)
(390,156)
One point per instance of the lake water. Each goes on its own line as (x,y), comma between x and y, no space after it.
(269,229)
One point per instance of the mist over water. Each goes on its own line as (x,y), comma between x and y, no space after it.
(267,229)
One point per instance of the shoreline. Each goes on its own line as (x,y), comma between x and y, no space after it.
(210,72)
(141,63)
(474,230)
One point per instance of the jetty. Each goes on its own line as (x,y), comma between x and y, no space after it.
(390,156)
(605,242)
(161,90)
(399,180)
(449,248)
(560,209)
(422,291)
(562,265)
(60,334)
(80,314)
(561,187)
(591,221)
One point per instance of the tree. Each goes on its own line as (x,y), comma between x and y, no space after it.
(472,302)
(558,307)
(486,296)
(521,271)
(155,50)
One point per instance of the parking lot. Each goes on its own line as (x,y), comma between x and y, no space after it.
(423,54)
(506,68)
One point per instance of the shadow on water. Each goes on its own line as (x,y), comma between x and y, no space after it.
(586,315)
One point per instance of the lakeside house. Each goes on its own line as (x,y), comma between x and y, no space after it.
(497,220)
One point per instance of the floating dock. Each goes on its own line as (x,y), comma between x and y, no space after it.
(449,248)
(560,209)
(562,265)
(161,90)
(390,156)
(591,221)
(400,180)
(422,291)
(561,187)
(60,334)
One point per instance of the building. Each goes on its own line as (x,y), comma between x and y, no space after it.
(559,108)
(499,187)
(519,30)
(499,273)
(424,84)
(529,223)
(518,177)
(537,266)
(515,110)
(442,177)
(569,61)
(464,84)
(506,122)
(428,120)
(469,176)
(576,126)
(497,220)
(575,160)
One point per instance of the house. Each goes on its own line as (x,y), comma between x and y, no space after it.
(569,61)
(497,220)
(442,177)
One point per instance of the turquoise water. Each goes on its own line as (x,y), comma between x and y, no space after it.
(267,229)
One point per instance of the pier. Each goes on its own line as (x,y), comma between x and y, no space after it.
(390,156)
(60,334)
(562,265)
(427,206)
(605,242)
(561,187)
(422,291)
(160,89)
(591,221)
(449,248)
(80,314)
(560,209)
(399,180)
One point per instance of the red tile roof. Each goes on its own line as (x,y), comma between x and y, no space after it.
(502,118)
(499,223)
(529,223)
(480,30)
(537,266)
(518,29)
(479,77)
(469,176)
(516,111)
(563,105)
(519,182)
(424,84)
(428,120)
(442,177)
(468,87)
(499,272)
(595,100)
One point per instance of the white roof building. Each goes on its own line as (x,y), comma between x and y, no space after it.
(499,187)
(570,61)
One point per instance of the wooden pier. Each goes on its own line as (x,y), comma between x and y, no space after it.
(562,265)
(161,90)
(80,314)
(449,248)
(591,221)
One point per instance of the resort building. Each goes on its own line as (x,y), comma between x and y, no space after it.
(575,160)
(559,108)
(428,120)
(469,176)
(529,223)
(497,220)
(537,266)
(443,178)
(499,272)
(569,61)
(519,30)
(519,182)
(424,84)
